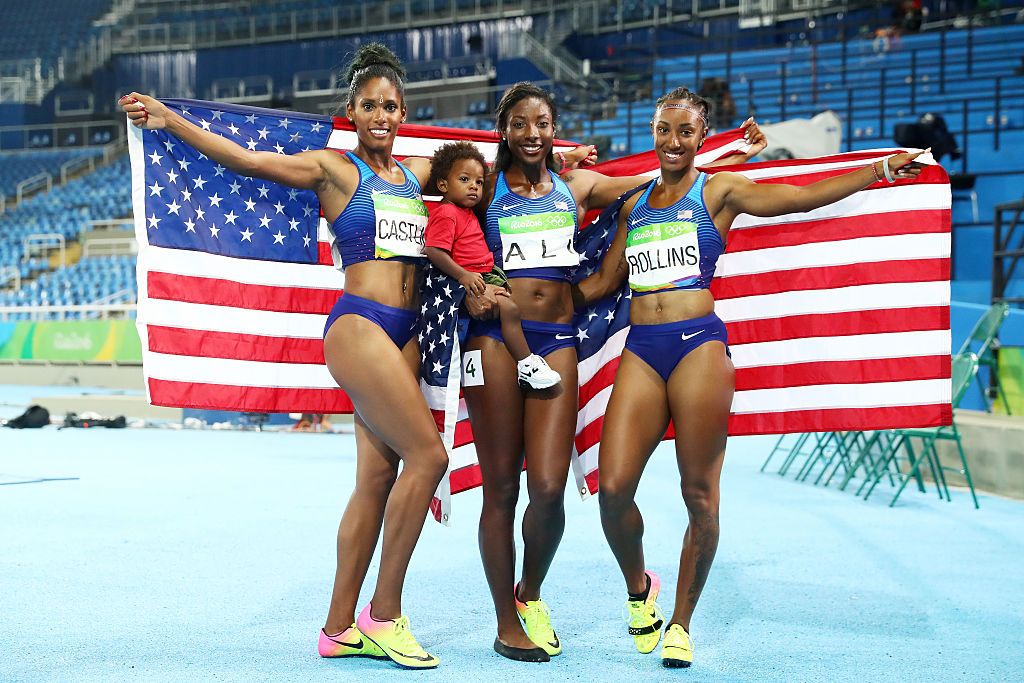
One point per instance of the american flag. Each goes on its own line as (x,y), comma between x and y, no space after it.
(236,276)
(838,319)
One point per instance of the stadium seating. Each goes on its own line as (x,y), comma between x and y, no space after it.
(67,210)
(18,166)
(43,29)
(87,281)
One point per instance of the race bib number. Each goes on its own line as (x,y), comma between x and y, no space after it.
(472,369)
(538,241)
(663,255)
(400,223)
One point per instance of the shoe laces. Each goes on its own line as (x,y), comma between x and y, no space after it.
(638,613)
(538,618)
(405,637)
(680,637)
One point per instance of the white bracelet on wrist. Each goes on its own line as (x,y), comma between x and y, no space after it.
(887,171)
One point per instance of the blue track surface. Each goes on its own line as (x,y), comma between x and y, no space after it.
(164,555)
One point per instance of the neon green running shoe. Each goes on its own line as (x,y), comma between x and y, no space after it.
(646,618)
(396,641)
(677,650)
(537,617)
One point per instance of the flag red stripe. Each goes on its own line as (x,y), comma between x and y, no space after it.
(463,433)
(839,324)
(216,292)
(324,257)
(463,429)
(841,419)
(602,379)
(247,399)
(830,277)
(181,341)
(589,435)
(843,372)
(464,478)
(844,228)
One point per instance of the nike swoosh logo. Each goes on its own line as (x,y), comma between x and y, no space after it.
(425,658)
(354,646)
(689,336)
(511,206)
(563,336)
(634,222)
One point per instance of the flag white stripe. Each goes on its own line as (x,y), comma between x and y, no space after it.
(830,396)
(246,373)
(612,349)
(843,299)
(230,319)
(593,409)
(891,200)
(588,461)
(840,252)
(848,348)
(462,456)
(247,271)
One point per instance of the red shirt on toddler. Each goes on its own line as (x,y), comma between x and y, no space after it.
(457,231)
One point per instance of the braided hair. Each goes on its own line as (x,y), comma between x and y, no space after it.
(373,60)
(684,94)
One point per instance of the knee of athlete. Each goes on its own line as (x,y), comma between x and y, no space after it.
(613,499)
(549,497)
(701,499)
(503,495)
(432,463)
(378,482)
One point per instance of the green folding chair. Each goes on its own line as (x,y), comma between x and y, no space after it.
(965,367)
(983,341)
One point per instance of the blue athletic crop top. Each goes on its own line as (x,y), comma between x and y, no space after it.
(533,237)
(381,220)
(672,248)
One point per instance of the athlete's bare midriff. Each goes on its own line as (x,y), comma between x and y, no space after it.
(672,306)
(545,301)
(391,283)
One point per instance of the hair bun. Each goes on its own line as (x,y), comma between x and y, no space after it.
(370,55)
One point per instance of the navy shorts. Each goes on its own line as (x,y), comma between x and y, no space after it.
(663,346)
(398,323)
(543,338)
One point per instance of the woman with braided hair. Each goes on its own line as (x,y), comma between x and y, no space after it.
(676,364)
(369,336)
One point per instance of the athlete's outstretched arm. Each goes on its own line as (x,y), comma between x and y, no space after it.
(741,195)
(303,170)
